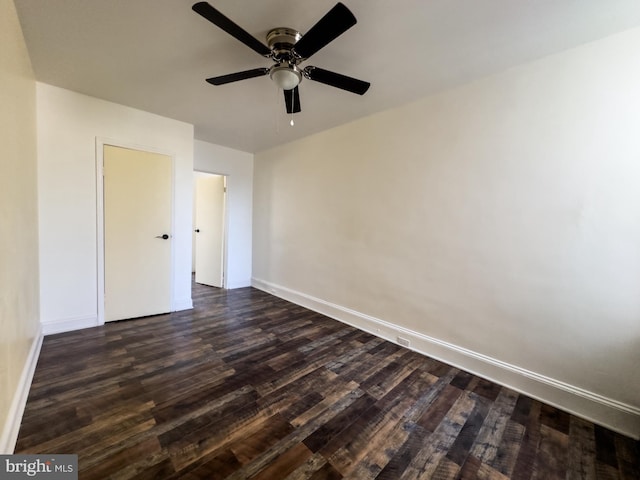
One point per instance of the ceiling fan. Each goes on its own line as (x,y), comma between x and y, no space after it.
(288,49)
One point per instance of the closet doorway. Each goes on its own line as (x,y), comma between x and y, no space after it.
(209,232)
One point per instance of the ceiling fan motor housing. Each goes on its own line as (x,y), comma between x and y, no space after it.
(281,40)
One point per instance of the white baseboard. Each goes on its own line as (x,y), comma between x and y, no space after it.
(50,327)
(610,413)
(9,435)
(241,284)
(183,304)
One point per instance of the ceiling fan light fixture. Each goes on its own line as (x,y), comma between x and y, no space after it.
(285,77)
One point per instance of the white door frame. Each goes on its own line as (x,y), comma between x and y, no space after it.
(225,225)
(100,143)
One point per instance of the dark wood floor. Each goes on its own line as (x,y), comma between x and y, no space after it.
(247,385)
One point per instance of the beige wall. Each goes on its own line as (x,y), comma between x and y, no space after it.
(19,322)
(496,226)
(68,125)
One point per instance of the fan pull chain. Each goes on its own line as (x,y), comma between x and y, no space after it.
(277,117)
(292,107)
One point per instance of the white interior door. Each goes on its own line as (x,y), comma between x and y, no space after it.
(137,233)
(209,227)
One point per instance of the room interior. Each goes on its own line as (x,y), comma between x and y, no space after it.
(478,204)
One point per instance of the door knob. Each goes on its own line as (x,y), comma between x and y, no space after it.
(164,236)
(197,230)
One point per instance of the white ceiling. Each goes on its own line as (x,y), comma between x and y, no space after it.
(155,54)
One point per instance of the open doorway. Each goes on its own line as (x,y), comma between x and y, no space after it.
(209,229)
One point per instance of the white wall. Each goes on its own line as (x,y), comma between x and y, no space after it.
(496,226)
(238,166)
(68,125)
(20,336)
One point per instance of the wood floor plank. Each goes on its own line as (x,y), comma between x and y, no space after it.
(469,470)
(390,410)
(123,458)
(309,468)
(222,411)
(215,436)
(285,464)
(485,472)
(389,440)
(581,456)
(551,463)
(295,437)
(439,408)
(426,461)
(508,449)
(335,426)
(528,453)
(271,432)
(446,470)
(331,395)
(249,386)
(461,448)
(326,472)
(486,444)
(412,432)
(216,468)
(628,454)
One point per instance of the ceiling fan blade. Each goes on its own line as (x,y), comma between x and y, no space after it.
(234,77)
(337,80)
(337,21)
(219,20)
(292,100)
